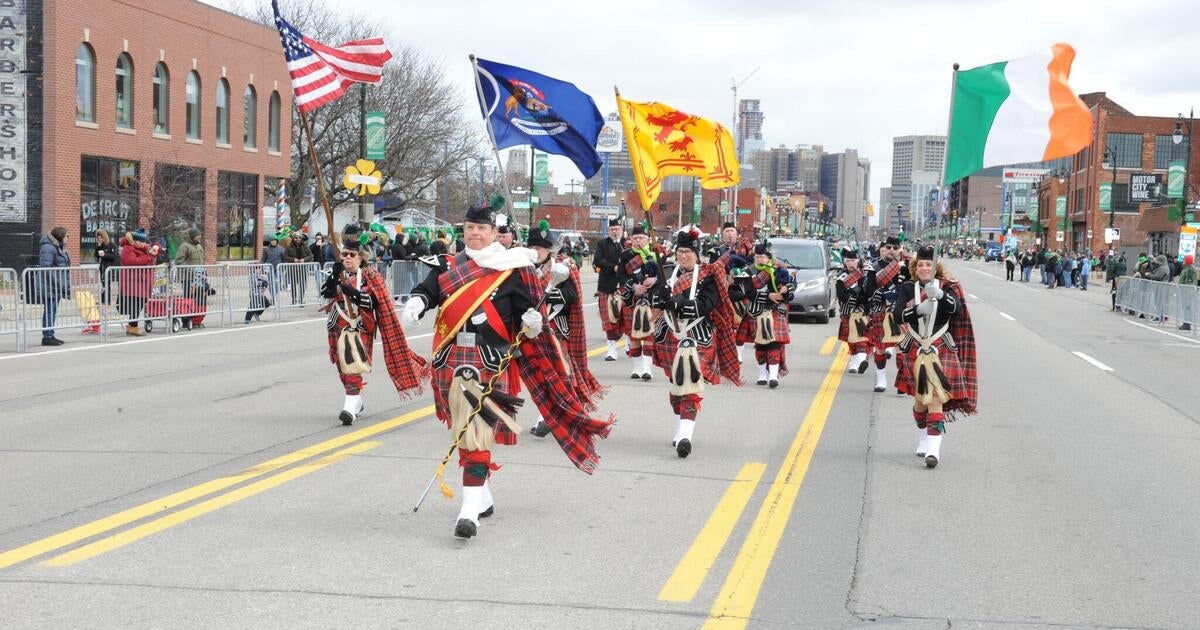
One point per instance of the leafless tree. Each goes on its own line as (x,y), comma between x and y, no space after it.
(429,135)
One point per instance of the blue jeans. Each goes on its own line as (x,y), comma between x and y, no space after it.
(1066,279)
(1083,281)
(1045,276)
(1025,273)
(48,314)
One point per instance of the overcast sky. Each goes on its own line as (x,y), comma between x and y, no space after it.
(841,74)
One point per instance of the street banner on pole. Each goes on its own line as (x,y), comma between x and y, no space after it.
(376,136)
(1175,176)
(541,170)
(1106,197)
(1033,210)
(1060,207)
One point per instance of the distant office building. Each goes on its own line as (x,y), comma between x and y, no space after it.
(845,179)
(911,154)
(749,127)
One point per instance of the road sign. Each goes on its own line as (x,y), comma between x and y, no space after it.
(603,212)
(743,210)
(1058,236)
(1112,234)
(520,205)
(363,176)
(724,207)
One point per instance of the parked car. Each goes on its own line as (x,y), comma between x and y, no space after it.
(808,262)
(993,250)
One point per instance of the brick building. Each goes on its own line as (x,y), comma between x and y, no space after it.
(165,115)
(1142,144)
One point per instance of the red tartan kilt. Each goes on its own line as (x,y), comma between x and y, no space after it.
(844,329)
(443,376)
(875,331)
(783,332)
(950,365)
(664,356)
(626,317)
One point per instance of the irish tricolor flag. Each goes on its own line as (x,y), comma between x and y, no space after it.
(1015,111)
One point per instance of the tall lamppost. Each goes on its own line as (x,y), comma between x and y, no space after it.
(1062,179)
(1177,138)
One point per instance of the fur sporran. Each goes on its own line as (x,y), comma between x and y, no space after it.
(892,333)
(642,325)
(764,328)
(687,376)
(858,326)
(480,435)
(929,380)
(352,355)
(612,308)
(739,312)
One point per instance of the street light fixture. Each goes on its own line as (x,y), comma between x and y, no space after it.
(1176,138)
(1110,160)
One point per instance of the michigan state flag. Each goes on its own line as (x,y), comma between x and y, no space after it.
(524,107)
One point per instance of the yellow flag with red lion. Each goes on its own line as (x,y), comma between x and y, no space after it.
(664,141)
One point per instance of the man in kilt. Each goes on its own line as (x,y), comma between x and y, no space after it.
(768,290)
(694,337)
(884,277)
(937,361)
(639,269)
(733,253)
(853,289)
(361,306)
(607,261)
(488,309)
(563,312)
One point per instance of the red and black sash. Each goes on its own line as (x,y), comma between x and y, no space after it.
(469,287)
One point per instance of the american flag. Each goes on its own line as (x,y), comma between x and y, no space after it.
(321,73)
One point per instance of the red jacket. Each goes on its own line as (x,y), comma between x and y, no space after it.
(135,282)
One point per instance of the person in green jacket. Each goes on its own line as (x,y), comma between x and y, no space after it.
(1187,298)
(192,277)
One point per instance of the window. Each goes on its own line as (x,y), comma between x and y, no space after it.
(162,99)
(1120,196)
(85,84)
(178,200)
(108,200)
(1128,147)
(273,122)
(250,119)
(1079,201)
(1166,151)
(124,91)
(237,202)
(193,105)
(222,112)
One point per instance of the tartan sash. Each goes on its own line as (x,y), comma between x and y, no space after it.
(457,308)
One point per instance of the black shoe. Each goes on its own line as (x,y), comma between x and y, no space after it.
(646,376)
(880,390)
(464,528)
(52,341)
(346,417)
(634,377)
(488,512)
(760,382)
(610,358)
(862,367)
(1185,327)
(683,448)
(931,461)
(774,384)
(541,429)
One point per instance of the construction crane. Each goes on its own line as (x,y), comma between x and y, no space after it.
(734,84)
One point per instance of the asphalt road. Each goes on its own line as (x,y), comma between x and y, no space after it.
(204,481)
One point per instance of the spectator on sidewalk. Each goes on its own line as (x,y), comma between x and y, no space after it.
(106,253)
(318,249)
(135,279)
(192,277)
(51,287)
(1118,269)
(296,251)
(260,293)
(1010,264)
(1027,260)
(273,256)
(1068,270)
(1085,269)
(1187,297)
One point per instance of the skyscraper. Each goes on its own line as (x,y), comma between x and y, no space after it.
(910,154)
(845,179)
(749,131)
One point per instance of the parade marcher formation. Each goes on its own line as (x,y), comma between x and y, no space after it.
(639,269)
(853,290)
(885,275)
(767,288)
(607,262)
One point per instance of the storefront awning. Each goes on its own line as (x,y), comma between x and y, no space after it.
(1156,219)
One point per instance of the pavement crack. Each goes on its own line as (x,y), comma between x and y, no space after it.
(851,604)
(257,390)
(949,621)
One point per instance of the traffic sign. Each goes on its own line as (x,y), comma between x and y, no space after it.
(363,176)
(603,212)
(520,205)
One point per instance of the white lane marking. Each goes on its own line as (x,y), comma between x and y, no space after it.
(983,273)
(1163,332)
(973,296)
(1091,360)
(1008,317)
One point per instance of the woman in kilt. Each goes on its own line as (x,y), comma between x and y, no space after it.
(852,292)
(937,360)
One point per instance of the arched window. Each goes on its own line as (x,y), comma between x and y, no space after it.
(124,91)
(222,112)
(250,119)
(162,99)
(85,84)
(193,105)
(273,123)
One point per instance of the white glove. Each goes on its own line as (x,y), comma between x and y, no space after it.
(413,308)
(926,307)
(559,270)
(933,291)
(532,322)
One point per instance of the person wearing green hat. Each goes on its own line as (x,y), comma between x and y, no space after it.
(295,250)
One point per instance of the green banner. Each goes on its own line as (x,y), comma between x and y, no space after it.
(1106,197)
(541,169)
(1033,210)
(376,136)
(1176,173)
(1060,206)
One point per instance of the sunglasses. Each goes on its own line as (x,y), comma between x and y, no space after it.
(348,254)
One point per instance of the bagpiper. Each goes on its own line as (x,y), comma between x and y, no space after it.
(360,307)
(488,329)
(768,288)
(885,275)
(639,270)
(853,290)
(693,339)
(937,361)
(607,262)
(733,253)
(563,312)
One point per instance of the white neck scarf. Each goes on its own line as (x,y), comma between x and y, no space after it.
(494,256)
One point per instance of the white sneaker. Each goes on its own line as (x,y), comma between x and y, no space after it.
(350,409)
(933,450)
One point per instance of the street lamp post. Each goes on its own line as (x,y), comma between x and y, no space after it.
(1062,179)
(1177,138)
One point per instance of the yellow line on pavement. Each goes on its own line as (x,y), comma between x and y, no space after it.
(694,567)
(740,592)
(153,527)
(830,344)
(109,523)
(595,352)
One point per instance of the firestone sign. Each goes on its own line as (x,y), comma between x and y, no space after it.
(12,111)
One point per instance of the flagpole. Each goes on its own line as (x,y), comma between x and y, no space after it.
(946,153)
(312,153)
(487,119)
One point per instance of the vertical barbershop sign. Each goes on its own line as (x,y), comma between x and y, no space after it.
(12,111)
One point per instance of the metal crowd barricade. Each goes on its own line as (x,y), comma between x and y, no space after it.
(138,295)
(406,275)
(1187,301)
(299,285)
(61,301)
(199,296)
(250,291)
(10,306)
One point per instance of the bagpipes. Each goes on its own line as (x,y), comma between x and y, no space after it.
(764,323)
